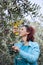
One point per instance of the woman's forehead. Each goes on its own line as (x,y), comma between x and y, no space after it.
(23,27)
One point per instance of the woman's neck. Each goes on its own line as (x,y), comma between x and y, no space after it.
(24,38)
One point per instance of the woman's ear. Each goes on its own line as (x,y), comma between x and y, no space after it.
(28,32)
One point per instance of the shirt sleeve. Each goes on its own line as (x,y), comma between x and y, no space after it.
(31,57)
(18,44)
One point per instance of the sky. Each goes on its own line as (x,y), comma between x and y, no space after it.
(39,2)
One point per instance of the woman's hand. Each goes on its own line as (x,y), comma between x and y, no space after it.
(15,48)
(15,29)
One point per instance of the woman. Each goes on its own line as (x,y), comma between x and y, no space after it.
(27,50)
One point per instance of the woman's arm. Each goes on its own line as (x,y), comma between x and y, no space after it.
(31,57)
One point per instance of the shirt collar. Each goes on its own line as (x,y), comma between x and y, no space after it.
(29,43)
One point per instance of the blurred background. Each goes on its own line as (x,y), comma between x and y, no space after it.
(16,13)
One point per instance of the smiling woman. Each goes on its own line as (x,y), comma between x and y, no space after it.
(27,51)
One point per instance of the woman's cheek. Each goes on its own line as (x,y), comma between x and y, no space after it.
(21,34)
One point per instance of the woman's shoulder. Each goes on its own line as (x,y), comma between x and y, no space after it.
(18,44)
(35,44)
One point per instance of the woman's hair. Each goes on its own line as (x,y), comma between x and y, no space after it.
(31,30)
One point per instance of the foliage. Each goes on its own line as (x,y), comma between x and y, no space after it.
(12,14)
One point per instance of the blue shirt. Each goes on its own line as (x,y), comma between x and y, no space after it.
(28,55)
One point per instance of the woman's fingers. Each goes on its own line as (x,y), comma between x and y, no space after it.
(16,49)
(13,47)
(14,30)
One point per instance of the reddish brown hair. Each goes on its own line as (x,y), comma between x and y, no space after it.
(30,36)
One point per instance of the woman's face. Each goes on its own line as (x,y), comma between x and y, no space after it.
(23,31)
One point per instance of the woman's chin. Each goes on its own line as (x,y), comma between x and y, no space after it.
(20,35)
